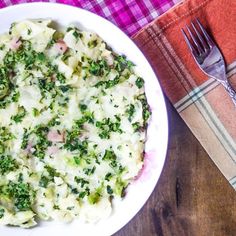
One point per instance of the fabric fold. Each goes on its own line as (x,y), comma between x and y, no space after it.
(202,102)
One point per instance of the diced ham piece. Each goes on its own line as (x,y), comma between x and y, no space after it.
(52,150)
(55,136)
(15,43)
(109,59)
(61,46)
(29,147)
(53,78)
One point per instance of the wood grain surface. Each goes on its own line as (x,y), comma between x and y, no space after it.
(191,198)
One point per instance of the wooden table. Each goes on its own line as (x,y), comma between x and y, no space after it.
(191,198)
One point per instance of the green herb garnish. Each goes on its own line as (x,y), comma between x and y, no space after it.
(2,211)
(130,112)
(106,126)
(139,82)
(22,195)
(44,181)
(7,164)
(20,115)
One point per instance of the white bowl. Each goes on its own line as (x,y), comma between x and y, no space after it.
(157,135)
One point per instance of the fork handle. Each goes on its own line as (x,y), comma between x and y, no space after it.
(230,90)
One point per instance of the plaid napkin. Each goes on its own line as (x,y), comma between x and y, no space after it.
(128,15)
(201,101)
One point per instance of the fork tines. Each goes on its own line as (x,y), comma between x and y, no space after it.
(198,42)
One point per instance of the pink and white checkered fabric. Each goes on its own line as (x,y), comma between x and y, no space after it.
(128,15)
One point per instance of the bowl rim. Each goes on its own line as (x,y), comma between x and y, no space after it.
(161,96)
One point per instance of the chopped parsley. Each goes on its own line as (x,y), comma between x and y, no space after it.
(89,117)
(20,115)
(7,164)
(65,88)
(2,211)
(22,195)
(94,197)
(89,171)
(46,85)
(145,106)
(42,142)
(82,182)
(130,112)
(2,47)
(136,126)
(44,181)
(82,194)
(108,176)
(99,68)
(106,126)
(2,148)
(5,134)
(77,34)
(52,171)
(4,86)
(110,83)
(41,57)
(73,143)
(120,187)
(83,107)
(25,55)
(29,31)
(139,82)
(56,207)
(109,155)
(13,96)
(92,43)
(35,112)
(54,121)
(121,63)
(61,78)
(109,190)
(25,139)
(77,160)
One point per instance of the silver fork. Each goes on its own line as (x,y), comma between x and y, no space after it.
(207,55)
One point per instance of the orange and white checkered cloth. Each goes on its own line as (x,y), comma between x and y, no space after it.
(202,102)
